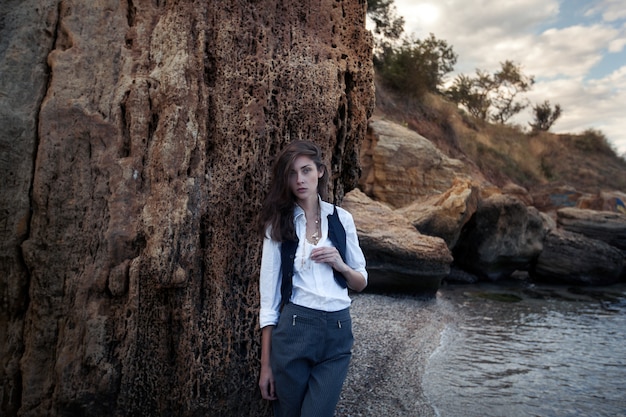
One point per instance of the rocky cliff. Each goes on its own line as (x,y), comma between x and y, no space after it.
(471,229)
(135,147)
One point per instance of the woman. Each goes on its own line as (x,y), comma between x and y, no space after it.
(311,256)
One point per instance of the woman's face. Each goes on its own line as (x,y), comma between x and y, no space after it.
(303,178)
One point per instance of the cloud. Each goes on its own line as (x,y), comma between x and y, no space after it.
(617,45)
(567,50)
(611,10)
(476,28)
(555,52)
(590,105)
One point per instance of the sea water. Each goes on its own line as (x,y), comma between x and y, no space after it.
(530,351)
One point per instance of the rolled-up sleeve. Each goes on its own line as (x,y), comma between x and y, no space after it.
(269,283)
(354,255)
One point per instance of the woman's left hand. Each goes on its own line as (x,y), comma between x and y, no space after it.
(329,255)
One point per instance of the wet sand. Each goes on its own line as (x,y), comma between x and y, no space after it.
(394,337)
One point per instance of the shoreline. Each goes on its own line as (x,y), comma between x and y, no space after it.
(394,337)
(397,335)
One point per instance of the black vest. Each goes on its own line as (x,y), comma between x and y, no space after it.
(336,234)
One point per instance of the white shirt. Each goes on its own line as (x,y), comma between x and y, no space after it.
(314,285)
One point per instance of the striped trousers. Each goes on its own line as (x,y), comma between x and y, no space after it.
(310,355)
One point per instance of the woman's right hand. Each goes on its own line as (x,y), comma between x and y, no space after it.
(266,383)
(266,379)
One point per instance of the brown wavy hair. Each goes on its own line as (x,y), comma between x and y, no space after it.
(277,210)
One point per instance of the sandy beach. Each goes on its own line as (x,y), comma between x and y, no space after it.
(394,337)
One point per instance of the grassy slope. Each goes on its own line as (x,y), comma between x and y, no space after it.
(505,153)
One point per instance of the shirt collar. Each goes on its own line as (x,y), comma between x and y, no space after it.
(325,209)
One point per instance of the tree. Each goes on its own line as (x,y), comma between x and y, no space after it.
(508,84)
(388,26)
(384,15)
(417,66)
(492,96)
(410,65)
(545,116)
(468,92)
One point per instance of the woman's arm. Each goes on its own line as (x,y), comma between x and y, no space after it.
(354,273)
(330,255)
(266,378)
(355,280)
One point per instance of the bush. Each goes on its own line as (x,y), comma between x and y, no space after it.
(592,140)
(545,116)
(417,66)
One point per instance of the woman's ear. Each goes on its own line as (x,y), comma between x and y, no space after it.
(320,171)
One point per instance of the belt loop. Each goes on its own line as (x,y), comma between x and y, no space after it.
(339,323)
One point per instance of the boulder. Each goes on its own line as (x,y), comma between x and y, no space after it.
(570,258)
(398,257)
(550,198)
(503,236)
(604,201)
(401,166)
(460,276)
(519,192)
(444,215)
(607,226)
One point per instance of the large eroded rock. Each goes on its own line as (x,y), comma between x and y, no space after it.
(444,215)
(136,144)
(26,37)
(400,166)
(398,257)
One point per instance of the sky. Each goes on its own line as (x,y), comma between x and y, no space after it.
(575,49)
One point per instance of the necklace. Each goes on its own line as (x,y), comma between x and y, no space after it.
(317,235)
(313,240)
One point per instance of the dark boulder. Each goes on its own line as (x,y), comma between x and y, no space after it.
(570,258)
(607,226)
(503,236)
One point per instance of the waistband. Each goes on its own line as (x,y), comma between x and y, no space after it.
(292,309)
